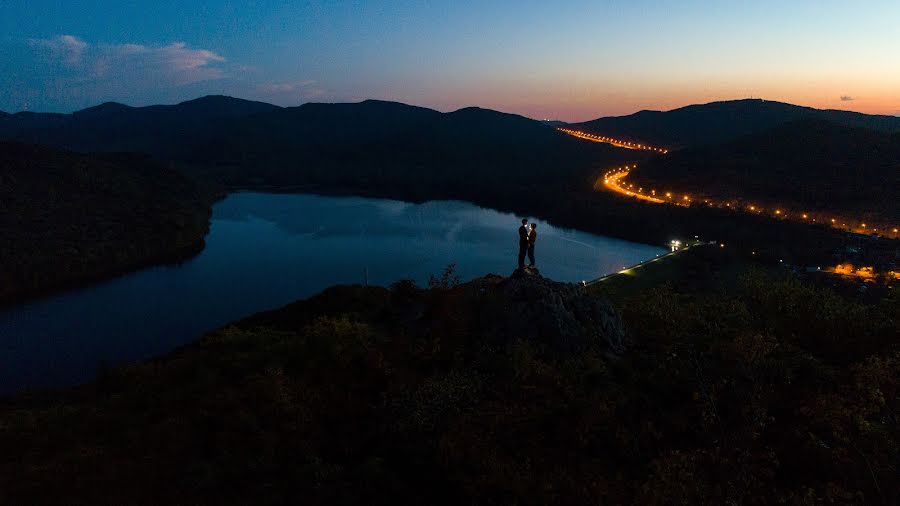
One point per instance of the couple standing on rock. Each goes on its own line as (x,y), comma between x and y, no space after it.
(527,236)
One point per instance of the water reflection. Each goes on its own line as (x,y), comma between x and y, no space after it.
(265,250)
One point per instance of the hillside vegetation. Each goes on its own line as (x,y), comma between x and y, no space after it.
(378,146)
(67,218)
(809,164)
(749,389)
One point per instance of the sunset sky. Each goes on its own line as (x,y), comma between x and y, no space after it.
(573,61)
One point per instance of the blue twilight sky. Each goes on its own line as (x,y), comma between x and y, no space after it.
(574,60)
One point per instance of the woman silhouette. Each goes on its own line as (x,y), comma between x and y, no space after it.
(532,236)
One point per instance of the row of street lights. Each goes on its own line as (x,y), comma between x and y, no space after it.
(609,140)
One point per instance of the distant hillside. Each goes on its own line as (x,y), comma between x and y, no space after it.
(409,150)
(371,144)
(813,164)
(111,127)
(67,218)
(723,121)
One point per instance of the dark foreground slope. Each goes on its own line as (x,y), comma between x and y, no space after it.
(67,218)
(809,164)
(753,390)
(717,122)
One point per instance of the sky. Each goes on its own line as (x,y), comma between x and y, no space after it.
(573,61)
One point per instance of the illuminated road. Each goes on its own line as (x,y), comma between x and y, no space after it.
(609,140)
(614,180)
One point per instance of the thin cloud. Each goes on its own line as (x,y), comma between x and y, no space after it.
(77,73)
(67,48)
(303,89)
(173,64)
(182,58)
(847,98)
(285,87)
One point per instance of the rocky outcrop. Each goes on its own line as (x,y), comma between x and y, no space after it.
(560,317)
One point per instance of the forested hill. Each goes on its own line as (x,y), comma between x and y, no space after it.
(371,144)
(813,164)
(67,218)
(718,122)
(164,130)
(376,144)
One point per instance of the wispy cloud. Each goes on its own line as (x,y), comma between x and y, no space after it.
(171,64)
(67,48)
(71,73)
(301,89)
(847,98)
(175,63)
(285,87)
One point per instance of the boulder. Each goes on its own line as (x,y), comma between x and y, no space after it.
(558,317)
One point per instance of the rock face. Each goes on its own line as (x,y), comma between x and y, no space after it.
(560,317)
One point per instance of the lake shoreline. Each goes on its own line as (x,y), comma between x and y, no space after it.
(171,258)
(265,250)
(178,256)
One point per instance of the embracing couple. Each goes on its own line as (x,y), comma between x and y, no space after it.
(527,236)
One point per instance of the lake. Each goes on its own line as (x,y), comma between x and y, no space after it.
(266,250)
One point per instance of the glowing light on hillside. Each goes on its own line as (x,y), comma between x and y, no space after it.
(614,180)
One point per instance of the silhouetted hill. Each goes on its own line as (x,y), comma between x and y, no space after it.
(163,130)
(722,121)
(66,218)
(378,146)
(810,164)
(21,123)
(106,110)
(319,124)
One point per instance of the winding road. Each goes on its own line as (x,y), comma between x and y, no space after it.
(614,180)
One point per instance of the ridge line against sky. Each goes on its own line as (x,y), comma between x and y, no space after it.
(427,107)
(575,61)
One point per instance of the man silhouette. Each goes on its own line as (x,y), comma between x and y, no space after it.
(523,242)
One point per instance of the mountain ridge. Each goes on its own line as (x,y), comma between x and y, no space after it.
(812,163)
(701,124)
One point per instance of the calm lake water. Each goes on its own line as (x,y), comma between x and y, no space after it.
(266,250)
